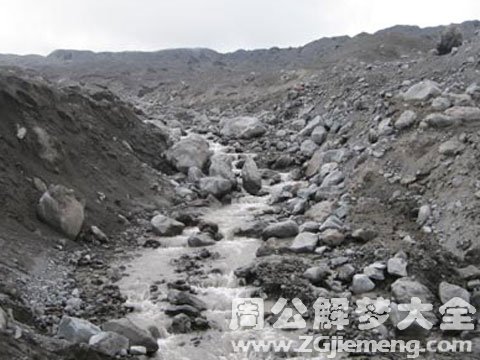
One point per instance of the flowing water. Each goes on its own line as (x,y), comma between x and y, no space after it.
(217,288)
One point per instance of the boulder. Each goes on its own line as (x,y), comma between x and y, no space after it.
(221,166)
(284,229)
(406,119)
(216,186)
(76,330)
(317,274)
(449,291)
(332,237)
(244,127)
(192,151)
(136,335)
(404,289)
(361,283)
(438,120)
(251,177)
(176,297)
(305,242)
(451,37)
(109,343)
(422,91)
(451,147)
(334,178)
(59,208)
(137,350)
(320,211)
(463,113)
(181,324)
(319,135)
(200,239)
(165,226)
(188,310)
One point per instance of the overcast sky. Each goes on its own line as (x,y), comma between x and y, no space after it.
(41,26)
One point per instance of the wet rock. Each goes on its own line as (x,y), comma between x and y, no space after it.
(385,127)
(332,237)
(469,272)
(449,291)
(251,178)
(406,119)
(245,127)
(200,240)
(76,330)
(109,343)
(404,289)
(317,274)
(59,208)
(422,91)
(192,151)
(138,350)
(314,164)
(183,298)
(319,135)
(181,324)
(136,335)
(304,243)
(251,229)
(332,222)
(284,229)
(182,309)
(312,124)
(397,266)
(221,166)
(361,283)
(165,226)
(216,186)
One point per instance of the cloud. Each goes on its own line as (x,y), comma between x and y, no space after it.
(32,26)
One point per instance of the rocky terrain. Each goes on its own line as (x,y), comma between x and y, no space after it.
(170,180)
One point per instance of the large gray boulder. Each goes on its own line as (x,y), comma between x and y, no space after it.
(59,208)
(251,177)
(215,185)
(193,150)
(136,335)
(243,127)
(165,226)
(76,330)
(422,91)
(404,289)
(284,229)
(109,343)
(221,166)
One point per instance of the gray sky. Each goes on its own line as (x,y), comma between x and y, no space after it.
(40,26)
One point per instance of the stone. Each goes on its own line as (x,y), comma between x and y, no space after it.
(312,124)
(244,127)
(98,234)
(319,135)
(450,147)
(308,147)
(406,119)
(136,335)
(463,113)
(76,330)
(469,272)
(200,240)
(216,186)
(441,103)
(305,242)
(284,229)
(385,127)
(176,297)
(332,237)
(422,91)
(309,226)
(221,166)
(109,343)
(424,214)
(317,274)
(404,289)
(449,291)
(181,324)
(137,350)
(320,211)
(375,271)
(165,226)
(59,208)
(182,309)
(332,222)
(194,174)
(192,151)
(334,178)
(397,266)
(364,235)
(438,120)
(314,164)
(345,272)
(361,283)
(3,320)
(251,177)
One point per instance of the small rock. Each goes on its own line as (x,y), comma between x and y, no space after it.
(361,283)
(332,237)
(397,265)
(424,214)
(406,119)
(450,147)
(317,274)
(283,229)
(304,243)
(109,343)
(449,291)
(138,350)
(98,234)
(404,289)
(165,226)
(3,320)
(251,178)
(200,239)
(76,330)
(364,235)
(181,324)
